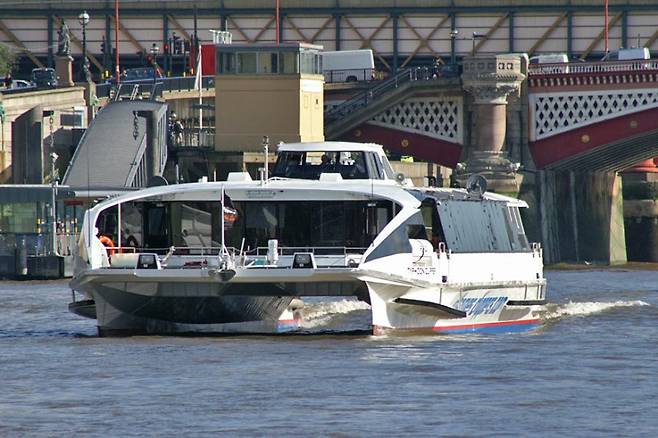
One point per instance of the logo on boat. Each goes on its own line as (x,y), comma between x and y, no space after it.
(483,306)
(421,270)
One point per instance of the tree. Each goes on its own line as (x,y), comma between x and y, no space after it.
(7,58)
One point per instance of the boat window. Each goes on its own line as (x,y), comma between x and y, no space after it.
(487,226)
(310,165)
(107,223)
(515,230)
(261,223)
(351,224)
(131,225)
(398,241)
(195,225)
(156,230)
(432,221)
(379,169)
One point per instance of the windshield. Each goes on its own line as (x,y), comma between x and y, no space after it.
(311,164)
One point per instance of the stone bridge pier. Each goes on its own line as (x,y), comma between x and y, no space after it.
(588,124)
(490,80)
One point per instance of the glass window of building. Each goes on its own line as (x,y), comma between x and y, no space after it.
(247,62)
(289,62)
(226,63)
(307,63)
(268,62)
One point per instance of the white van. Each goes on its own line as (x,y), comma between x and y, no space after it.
(628,54)
(553,59)
(348,65)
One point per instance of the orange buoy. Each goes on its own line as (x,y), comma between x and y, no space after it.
(109,244)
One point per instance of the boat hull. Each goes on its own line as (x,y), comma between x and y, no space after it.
(442,310)
(160,308)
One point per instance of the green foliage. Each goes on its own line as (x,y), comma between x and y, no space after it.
(7,58)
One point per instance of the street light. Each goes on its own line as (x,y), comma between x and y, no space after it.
(453,54)
(476,36)
(84,21)
(154,59)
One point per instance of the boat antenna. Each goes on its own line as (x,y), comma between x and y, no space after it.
(266,147)
(222,201)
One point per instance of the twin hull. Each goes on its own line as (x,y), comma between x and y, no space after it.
(404,293)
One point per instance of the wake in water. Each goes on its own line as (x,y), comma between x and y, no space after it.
(329,315)
(322,313)
(555,311)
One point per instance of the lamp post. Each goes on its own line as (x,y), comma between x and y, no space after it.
(476,36)
(84,21)
(453,48)
(154,60)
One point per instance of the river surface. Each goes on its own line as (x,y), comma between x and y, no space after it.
(590,370)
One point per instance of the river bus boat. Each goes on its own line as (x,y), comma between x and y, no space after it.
(333,219)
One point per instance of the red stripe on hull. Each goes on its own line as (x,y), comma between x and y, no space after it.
(561,146)
(420,146)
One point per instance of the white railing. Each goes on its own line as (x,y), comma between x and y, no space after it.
(576,68)
(204,256)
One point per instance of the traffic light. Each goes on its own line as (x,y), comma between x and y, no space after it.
(103,46)
(166,48)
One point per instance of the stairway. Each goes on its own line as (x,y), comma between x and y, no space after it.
(366,104)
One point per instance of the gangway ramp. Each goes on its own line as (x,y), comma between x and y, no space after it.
(123,147)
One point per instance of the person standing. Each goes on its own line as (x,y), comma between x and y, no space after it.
(8,80)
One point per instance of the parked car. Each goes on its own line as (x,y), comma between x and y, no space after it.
(20,83)
(44,78)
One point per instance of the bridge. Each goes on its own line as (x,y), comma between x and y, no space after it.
(572,127)
(402,34)
(576,131)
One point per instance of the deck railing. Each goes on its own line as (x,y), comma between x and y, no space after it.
(198,256)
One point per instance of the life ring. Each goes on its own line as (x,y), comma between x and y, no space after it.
(109,244)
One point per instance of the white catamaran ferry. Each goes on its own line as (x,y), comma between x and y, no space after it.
(333,220)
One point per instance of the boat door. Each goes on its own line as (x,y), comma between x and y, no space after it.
(156,227)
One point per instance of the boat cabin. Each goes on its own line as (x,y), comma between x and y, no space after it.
(349,160)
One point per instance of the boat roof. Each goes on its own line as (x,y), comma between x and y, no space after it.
(292,189)
(330,146)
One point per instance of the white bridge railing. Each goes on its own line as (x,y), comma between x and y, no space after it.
(579,68)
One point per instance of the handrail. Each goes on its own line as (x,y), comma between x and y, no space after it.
(258,251)
(574,68)
(375,92)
